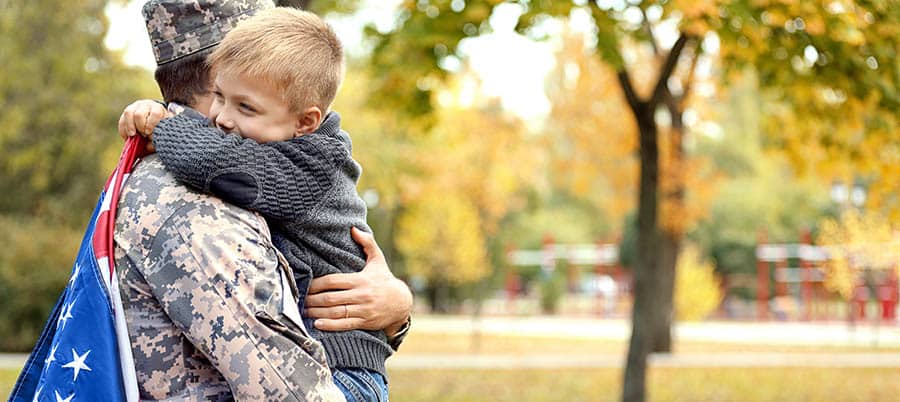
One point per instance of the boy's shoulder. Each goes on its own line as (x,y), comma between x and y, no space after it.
(315,147)
(329,140)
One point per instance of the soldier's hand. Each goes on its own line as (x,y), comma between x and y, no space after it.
(372,299)
(141,117)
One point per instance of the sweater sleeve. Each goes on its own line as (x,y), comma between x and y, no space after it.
(280,180)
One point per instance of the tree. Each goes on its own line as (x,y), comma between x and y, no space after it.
(749,34)
(651,313)
(759,190)
(601,169)
(858,241)
(320,7)
(829,71)
(61,93)
(473,163)
(442,189)
(441,241)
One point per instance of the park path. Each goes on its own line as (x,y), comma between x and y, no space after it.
(686,360)
(833,333)
(765,333)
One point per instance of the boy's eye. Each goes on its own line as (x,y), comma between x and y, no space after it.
(218,94)
(248,107)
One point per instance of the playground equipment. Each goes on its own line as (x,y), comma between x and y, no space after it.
(608,282)
(807,279)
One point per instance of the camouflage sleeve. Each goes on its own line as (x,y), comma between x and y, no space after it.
(282,180)
(218,278)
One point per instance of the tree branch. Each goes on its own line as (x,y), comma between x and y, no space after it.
(667,69)
(630,95)
(689,82)
(649,29)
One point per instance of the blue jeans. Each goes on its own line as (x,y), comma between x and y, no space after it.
(361,385)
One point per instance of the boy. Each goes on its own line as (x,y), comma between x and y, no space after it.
(276,76)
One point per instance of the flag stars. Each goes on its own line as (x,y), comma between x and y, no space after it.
(52,357)
(60,399)
(77,363)
(75,273)
(66,314)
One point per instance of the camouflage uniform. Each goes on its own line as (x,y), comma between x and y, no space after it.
(210,308)
(179,28)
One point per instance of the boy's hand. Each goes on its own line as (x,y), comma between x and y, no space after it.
(141,117)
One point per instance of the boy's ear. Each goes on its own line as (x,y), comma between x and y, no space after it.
(308,120)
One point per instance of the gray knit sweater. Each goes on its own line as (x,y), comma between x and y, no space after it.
(306,189)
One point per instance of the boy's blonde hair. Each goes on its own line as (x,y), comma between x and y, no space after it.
(294,50)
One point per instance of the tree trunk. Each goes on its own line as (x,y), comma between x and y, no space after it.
(439,296)
(662,326)
(646,296)
(671,238)
(647,318)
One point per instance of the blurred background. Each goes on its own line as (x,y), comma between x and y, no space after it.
(590,199)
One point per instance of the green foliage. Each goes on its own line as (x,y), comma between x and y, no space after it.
(552,288)
(35,262)
(431,31)
(762,192)
(61,93)
(564,218)
(831,71)
(321,7)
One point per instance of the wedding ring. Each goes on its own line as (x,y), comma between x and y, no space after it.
(346,311)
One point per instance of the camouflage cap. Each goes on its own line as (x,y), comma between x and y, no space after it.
(179,28)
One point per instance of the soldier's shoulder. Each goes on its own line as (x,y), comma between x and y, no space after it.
(151,186)
(153,198)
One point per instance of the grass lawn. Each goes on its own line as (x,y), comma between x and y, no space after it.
(7,380)
(665,385)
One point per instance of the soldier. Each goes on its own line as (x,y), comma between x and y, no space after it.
(210,303)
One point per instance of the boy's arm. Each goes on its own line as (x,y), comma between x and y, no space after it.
(280,180)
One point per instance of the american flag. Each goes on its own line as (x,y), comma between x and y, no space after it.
(84,353)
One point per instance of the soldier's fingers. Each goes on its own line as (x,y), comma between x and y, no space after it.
(331,299)
(334,312)
(333,282)
(367,241)
(343,324)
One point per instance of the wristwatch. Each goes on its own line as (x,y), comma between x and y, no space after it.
(395,341)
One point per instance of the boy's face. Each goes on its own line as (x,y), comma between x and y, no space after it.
(252,108)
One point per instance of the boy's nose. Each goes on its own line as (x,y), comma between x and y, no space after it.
(224,123)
